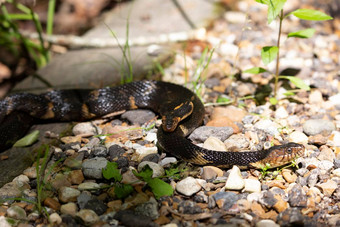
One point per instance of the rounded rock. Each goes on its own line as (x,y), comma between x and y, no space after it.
(68,194)
(318,126)
(88,186)
(88,217)
(157,169)
(55,219)
(213,143)
(266,223)
(85,129)
(188,186)
(69,208)
(16,212)
(298,137)
(92,168)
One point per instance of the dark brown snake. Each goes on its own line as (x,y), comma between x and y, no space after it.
(181,111)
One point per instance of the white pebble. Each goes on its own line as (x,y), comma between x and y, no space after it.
(252,185)
(235,180)
(298,137)
(188,186)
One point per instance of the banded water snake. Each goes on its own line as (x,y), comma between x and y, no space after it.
(181,111)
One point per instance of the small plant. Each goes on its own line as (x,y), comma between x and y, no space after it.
(14,39)
(274,174)
(270,53)
(158,187)
(41,164)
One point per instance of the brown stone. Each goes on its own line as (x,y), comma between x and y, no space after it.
(162,220)
(257,209)
(280,205)
(224,122)
(317,139)
(76,177)
(71,139)
(289,176)
(233,113)
(59,181)
(52,203)
(115,205)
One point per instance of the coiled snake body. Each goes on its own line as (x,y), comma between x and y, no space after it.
(180,108)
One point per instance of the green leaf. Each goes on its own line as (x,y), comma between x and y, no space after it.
(256,70)
(268,54)
(222,99)
(306,33)
(146,173)
(310,14)
(289,93)
(274,8)
(111,171)
(297,82)
(123,190)
(28,139)
(160,188)
(273,101)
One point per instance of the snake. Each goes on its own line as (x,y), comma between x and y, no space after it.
(181,111)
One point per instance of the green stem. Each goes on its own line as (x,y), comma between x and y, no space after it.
(278,56)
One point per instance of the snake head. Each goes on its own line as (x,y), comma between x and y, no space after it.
(281,155)
(173,117)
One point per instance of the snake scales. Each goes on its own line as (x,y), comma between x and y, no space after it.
(180,108)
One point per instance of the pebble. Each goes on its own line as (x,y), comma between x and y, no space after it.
(157,169)
(313,177)
(297,197)
(88,186)
(236,142)
(115,151)
(336,172)
(10,190)
(151,137)
(232,112)
(281,113)
(69,208)
(31,172)
(318,126)
(211,172)
(52,203)
(328,187)
(76,177)
(83,198)
(130,218)
(148,209)
(266,223)
(145,151)
(68,194)
(235,17)
(225,200)
(223,122)
(92,168)
(99,151)
(96,205)
(138,117)
(289,176)
(235,180)
(201,134)
(168,160)
(298,137)
(16,212)
(325,165)
(334,139)
(188,186)
(4,222)
(87,217)
(85,129)
(252,185)
(55,219)
(213,143)
(268,126)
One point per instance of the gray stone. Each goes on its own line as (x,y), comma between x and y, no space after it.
(318,126)
(68,194)
(96,205)
(10,190)
(138,117)
(297,197)
(84,129)
(238,142)
(148,209)
(92,168)
(267,199)
(157,169)
(16,212)
(83,198)
(268,126)
(313,177)
(99,151)
(225,199)
(202,133)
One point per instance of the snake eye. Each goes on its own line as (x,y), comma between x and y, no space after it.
(289,150)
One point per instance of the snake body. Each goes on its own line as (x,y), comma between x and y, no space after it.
(181,111)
